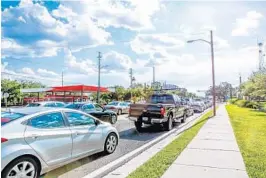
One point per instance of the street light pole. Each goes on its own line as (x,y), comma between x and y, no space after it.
(213,77)
(99,76)
(213,71)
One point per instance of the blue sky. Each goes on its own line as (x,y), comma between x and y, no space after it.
(41,39)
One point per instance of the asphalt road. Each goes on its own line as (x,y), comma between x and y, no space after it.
(130,140)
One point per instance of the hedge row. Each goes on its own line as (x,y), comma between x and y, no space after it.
(248,104)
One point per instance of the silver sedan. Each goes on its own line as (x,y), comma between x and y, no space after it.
(118,107)
(38,139)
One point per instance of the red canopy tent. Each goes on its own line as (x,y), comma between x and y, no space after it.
(64,93)
(78,88)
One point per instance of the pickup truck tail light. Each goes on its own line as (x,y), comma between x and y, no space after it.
(162,111)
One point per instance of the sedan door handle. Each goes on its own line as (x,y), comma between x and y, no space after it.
(34,136)
(78,133)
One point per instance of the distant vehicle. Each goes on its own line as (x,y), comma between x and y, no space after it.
(189,108)
(36,140)
(160,109)
(118,107)
(96,110)
(46,104)
(197,106)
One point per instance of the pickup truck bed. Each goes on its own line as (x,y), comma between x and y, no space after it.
(163,112)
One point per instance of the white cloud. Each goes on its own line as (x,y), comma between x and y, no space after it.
(10,48)
(34,32)
(28,74)
(27,70)
(244,25)
(45,72)
(116,61)
(129,14)
(152,43)
(85,66)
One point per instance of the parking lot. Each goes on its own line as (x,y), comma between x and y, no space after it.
(130,140)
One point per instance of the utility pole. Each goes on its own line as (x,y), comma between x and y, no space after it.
(62,78)
(153,74)
(99,76)
(213,77)
(213,72)
(131,82)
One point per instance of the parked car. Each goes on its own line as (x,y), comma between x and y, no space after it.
(96,110)
(118,107)
(197,106)
(46,104)
(160,109)
(36,140)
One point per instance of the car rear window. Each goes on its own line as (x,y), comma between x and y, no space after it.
(7,117)
(161,99)
(33,105)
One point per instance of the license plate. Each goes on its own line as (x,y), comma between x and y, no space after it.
(145,118)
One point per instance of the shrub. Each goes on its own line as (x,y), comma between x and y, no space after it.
(233,101)
(253,105)
(241,103)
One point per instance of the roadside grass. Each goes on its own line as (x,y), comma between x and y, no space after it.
(250,130)
(159,163)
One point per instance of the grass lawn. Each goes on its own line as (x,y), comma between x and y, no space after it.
(250,131)
(158,164)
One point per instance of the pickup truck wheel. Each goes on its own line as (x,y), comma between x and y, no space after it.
(138,126)
(183,120)
(169,124)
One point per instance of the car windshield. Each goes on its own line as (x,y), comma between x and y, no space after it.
(161,99)
(7,117)
(33,105)
(113,104)
(74,106)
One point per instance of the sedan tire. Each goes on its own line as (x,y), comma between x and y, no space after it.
(119,112)
(110,143)
(22,167)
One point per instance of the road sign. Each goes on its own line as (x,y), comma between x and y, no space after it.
(6,95)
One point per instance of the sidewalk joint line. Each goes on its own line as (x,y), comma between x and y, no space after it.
(216,139)
(212,149)
(194,165)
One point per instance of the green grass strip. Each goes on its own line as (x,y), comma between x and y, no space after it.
(159,163)
(250,130)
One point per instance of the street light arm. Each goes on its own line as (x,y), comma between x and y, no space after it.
(191,41)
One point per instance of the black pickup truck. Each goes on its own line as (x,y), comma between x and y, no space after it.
(160,109)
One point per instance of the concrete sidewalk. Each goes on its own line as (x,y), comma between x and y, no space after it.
(213,153)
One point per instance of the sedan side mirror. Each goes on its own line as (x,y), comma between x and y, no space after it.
(97,122)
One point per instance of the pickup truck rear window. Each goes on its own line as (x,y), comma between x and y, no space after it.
(167,99)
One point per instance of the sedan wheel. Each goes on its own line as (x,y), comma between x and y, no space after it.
(119,112)
(110,143)
(23,167)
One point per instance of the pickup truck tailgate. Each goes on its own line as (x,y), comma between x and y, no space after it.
(136,110)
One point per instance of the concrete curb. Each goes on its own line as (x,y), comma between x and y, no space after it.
(101,172)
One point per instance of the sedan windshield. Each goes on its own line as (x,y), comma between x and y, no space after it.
(74,106)
(7,117)
(33,105)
